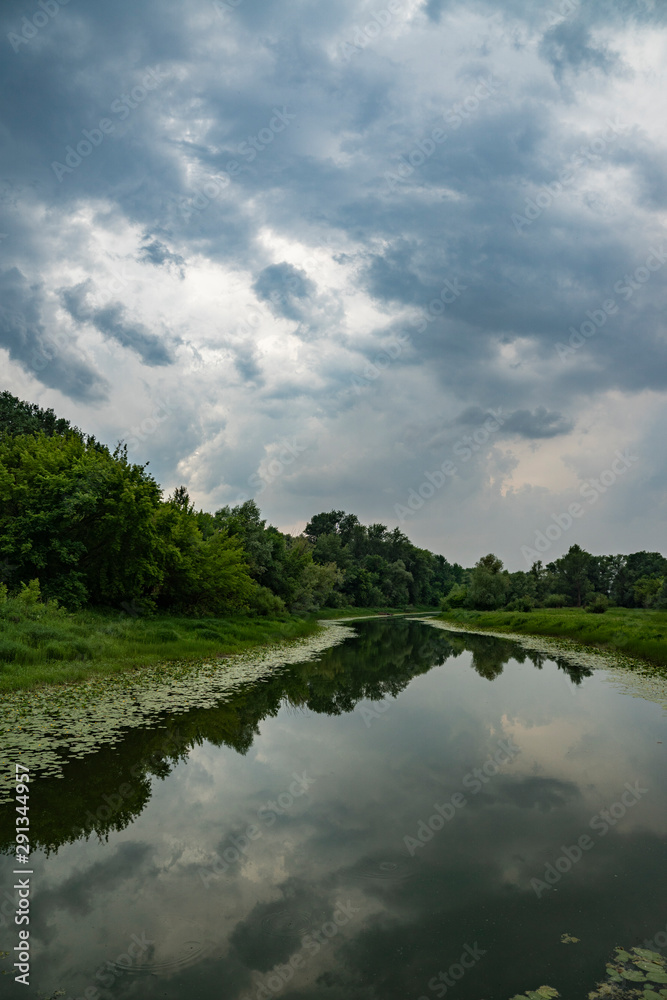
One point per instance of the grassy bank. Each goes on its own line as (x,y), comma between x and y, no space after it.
(336,613)
(623,630)
(40,644)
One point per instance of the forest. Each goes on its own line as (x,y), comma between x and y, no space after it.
(97,532)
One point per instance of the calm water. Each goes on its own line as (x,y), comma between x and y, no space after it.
(271,847)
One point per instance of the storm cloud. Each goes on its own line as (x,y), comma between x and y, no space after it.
(363,226)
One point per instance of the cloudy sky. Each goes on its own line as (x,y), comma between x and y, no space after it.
(319,253)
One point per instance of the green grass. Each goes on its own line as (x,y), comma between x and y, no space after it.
(328,613)
(42,644)
(632,632)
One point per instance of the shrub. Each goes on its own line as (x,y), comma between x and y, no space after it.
(523,603)
(598,604)
(265,602)
(456,597)
(555,601)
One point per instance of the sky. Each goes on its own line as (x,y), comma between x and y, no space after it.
(405,259)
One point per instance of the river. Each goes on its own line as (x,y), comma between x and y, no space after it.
(415,814)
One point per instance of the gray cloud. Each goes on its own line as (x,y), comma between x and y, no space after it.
(538,424)
(110,321)
(49,356)
(285,288)
(568,45)
(155,252)
(216,215)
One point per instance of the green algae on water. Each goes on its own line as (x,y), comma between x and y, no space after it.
(41,728)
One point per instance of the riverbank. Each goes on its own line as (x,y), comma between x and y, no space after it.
(41,643)
(635,633)
(45,725)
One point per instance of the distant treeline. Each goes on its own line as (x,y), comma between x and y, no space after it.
(95,530)
(578,579)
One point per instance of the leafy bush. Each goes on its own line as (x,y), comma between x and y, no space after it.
(265,602)
(555,601)
(456,598)
(598,604)
(523,603)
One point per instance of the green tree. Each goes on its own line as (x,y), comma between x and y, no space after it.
(647,590)
(489,586)
(572,574)
(81,520)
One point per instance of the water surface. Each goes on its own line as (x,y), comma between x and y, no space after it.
(289,842)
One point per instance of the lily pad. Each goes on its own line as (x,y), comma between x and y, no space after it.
(635,976)
(652,956)
(657,977)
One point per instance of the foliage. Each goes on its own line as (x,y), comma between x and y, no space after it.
(488,587)
(555,601)
(379,566)
(95,531)
(634,632)
(597,604)
(456,598)
(44,643)
(541,993)
(18,417)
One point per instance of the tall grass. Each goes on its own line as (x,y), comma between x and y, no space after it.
(633,632)
(43,643)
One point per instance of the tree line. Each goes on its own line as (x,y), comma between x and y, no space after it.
(577,579)
(96,530)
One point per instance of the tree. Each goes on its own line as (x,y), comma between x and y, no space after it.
(646,591)
(488,587)
(572,572)
(81,520)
